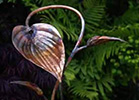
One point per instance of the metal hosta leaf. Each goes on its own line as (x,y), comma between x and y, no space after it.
(42,45)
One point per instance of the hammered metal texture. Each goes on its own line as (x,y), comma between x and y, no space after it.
(42,45)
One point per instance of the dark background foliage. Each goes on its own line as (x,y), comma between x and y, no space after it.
(105,72)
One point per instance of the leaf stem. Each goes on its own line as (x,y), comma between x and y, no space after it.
(54,90)
(77,43)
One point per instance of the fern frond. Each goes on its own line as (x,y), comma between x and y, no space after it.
(83,90)
(131,16)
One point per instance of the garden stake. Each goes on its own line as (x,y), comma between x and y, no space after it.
(42,44)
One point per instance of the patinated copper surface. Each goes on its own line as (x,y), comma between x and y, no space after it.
(97,40)
(42,45)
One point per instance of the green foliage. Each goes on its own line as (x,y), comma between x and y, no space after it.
(93,12)
(1,1)
(128,17)
(95,72)
(13,1)
(111,64)
(83,90)
(126,65)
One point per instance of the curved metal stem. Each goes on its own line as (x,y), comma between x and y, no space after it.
(60,90)
(73,53)
(79,39)
(81,48)
(54,90)
(65,7)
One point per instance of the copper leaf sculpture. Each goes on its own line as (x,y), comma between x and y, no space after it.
(42,44)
